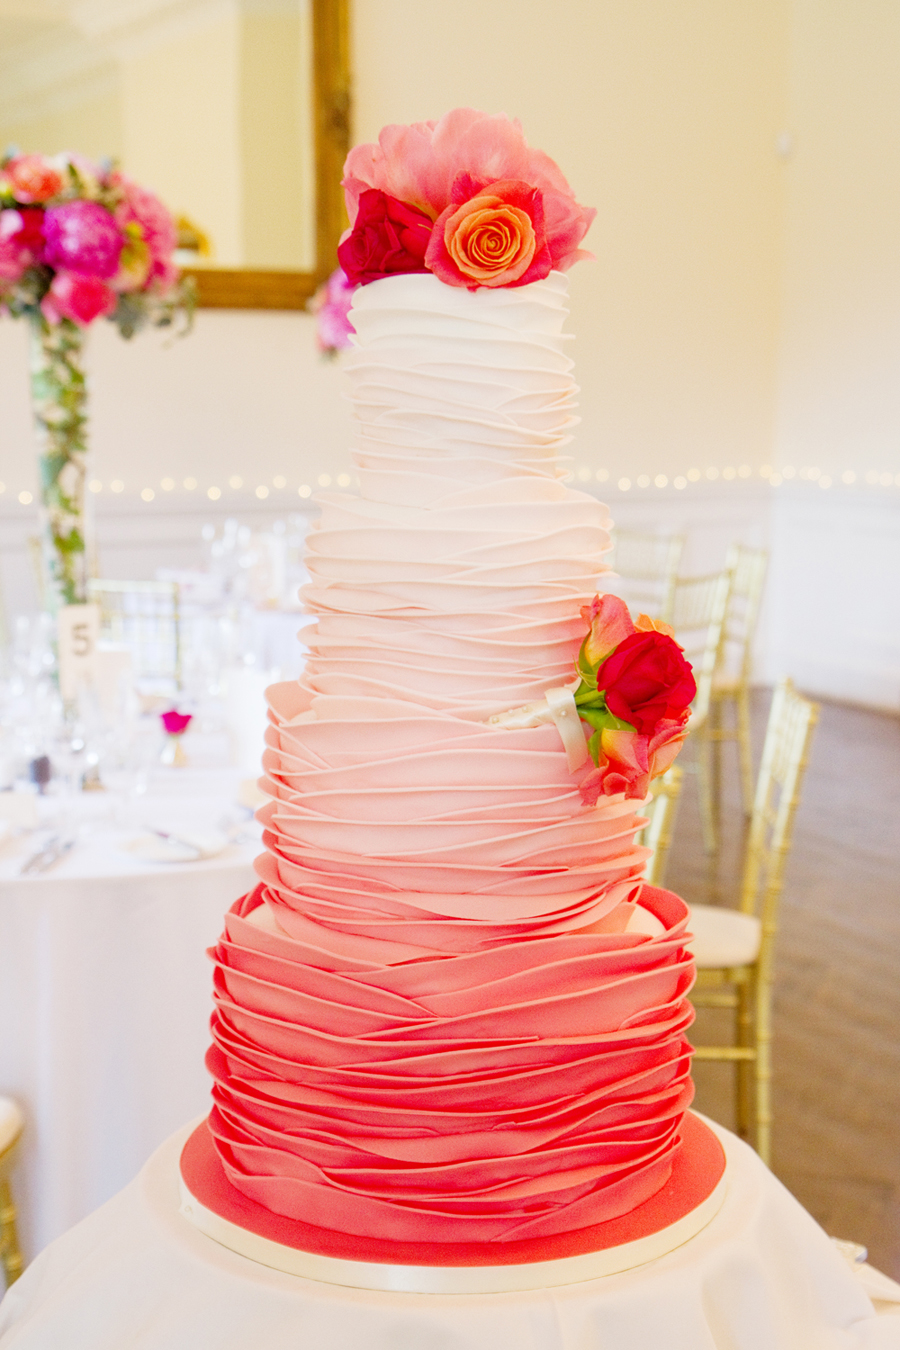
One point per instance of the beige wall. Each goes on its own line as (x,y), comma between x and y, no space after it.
(839,379)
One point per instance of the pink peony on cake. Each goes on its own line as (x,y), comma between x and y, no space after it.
(450,1022)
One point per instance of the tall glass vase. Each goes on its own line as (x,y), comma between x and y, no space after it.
(59,403)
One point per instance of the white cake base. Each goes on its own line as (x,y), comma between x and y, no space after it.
(446,1279)
(761,1275)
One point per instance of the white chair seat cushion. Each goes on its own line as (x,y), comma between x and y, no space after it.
(11,1123)
(723,937)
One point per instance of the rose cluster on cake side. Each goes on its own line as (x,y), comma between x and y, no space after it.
(635,691)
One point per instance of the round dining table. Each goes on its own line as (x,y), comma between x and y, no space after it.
(105,987)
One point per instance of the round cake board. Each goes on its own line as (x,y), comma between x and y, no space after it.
(690,1199)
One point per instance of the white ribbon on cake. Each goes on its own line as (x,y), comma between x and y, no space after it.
(558,706)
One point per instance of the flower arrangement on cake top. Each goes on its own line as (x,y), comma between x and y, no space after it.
(464,198)
(635,691)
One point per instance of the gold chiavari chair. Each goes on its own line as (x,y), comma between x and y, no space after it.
(11,1126)
(733,948)
(731,680)
(699,606)
(647,566)
(660,812)
(145,617)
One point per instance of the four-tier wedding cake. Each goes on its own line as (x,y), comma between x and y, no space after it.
(451,1014)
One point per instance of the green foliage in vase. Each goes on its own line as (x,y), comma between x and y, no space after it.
(78,242)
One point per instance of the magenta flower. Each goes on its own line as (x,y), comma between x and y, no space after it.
(332,307)
(81,299)
(82,237)
(174,722)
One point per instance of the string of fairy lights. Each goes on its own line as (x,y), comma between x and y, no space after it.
(278,490)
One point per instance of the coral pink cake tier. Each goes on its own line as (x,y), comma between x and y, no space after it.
(452,1016)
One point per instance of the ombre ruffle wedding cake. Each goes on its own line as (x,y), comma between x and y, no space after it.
(451,1016)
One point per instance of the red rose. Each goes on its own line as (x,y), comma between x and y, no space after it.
(646,681)
(24,226)
(388,238)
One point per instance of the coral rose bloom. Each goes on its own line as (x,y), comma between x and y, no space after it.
(496,238)
(32,179)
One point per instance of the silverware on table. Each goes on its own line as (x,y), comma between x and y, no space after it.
(178,839)
(48,855)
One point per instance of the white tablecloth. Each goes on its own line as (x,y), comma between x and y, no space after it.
(105,996)
(761,1276)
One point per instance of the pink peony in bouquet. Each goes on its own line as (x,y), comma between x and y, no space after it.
(465,198)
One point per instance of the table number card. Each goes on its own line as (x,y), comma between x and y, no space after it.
(78,628)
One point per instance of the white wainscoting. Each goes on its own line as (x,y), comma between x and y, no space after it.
(831,617)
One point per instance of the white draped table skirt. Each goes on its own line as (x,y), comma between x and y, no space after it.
(760,1276)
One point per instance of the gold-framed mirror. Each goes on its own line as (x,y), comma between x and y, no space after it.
(258,288)
(236,112)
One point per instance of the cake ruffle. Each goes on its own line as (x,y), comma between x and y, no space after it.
(517,1090)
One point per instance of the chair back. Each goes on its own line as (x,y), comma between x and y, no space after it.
(660,811)
(748,575)
(648,566)
(145,617)
(699,606)
(792,720)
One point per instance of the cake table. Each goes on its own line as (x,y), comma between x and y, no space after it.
(760,1276)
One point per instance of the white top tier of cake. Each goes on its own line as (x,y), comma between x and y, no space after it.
(456,577)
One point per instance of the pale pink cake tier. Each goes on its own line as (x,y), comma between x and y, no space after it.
(433,1022)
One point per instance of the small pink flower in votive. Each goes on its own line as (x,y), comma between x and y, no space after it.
(174,722)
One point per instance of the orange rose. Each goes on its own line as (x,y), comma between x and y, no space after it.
(644,624)
(495,238)
(31,178)
(490,241)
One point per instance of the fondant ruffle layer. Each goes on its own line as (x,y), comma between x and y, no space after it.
(455,579)
(431,1021)
(526,1088)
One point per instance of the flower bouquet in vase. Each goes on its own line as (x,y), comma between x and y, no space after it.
(78,242)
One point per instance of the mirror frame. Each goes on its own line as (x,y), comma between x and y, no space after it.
(234,288)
